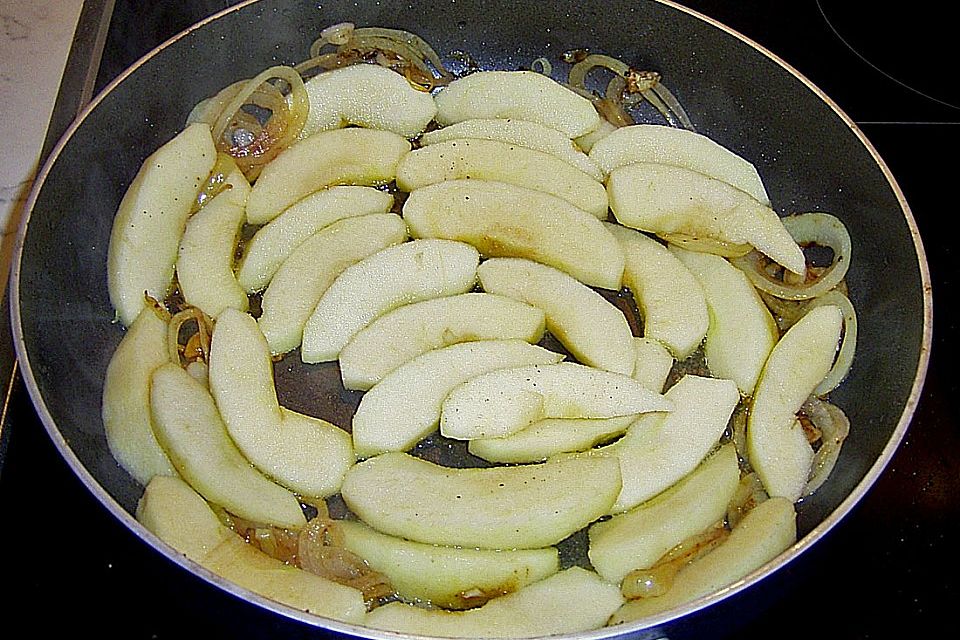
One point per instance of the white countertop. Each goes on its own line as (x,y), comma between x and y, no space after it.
(35,38)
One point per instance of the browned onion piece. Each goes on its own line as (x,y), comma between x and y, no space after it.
(196,346)
(657,580)
(749,494)
(422,50)
(834,427)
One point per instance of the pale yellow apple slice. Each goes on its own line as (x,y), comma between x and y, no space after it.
(588,140)
(518,132)
(742,332)
(776,444)
(571,601)
(341,156)
(589,326)
(549,437)
(180,517)
(304,454)
(275,241)
(681,147)
(405,405)
(765,532)
(502,162)
(660,449)
(486,406)
(313,266)
(522,507)
(521,95)
(151,217)
(367,95)
(189,427)
(451,577)
(398,275)
(666,199)
(669,298)
(413,329)
(207,248)
(653,364)
(127,419)
(638,538)
(504,220)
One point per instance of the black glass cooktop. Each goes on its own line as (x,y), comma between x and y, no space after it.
(883,572)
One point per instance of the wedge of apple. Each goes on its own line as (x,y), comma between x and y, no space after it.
(502,402)
(668,296)
(680,147)
(275,241)
(660,449)
(568,602)
(180,517)
(665,199)
(304,454)
(765,532)
(189,427)
(341,156)
(742,332)
(653,363)
(405,405)
(398,275)
(207,248)
(517,132)
(502,162)
(367,95)
(313,266)
(521,95)
(127,419)
(776,444)
(150,220)
(413,329)
(589,326)
(450,577)
(638,538)
(523,507)
(504,220)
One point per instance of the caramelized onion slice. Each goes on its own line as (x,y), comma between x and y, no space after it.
(834,427)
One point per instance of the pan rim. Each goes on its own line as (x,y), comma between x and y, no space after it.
(835,516)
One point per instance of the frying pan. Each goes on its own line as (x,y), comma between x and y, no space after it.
(809,153)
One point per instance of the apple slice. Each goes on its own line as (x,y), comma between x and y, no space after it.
(638,538)
(766,531)
(653,363)
(151,217)
(367,95)
(313,266)
(304,454)
(127,419)
(742,332)
(503,220)
(502,162)
(571,601)
(521,95)
(665,199)
(669,298)
(589,326)
(341,156)
(274,242)
(504,401)
(660,449)
(405,405)
(411,330)
(207,248)
(680,147)
(180,517)
(588,140)
(398,275)
(524,507)
(776,444)
(517,132)
(450,577)
(189,428)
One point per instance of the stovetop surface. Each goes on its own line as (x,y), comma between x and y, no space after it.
(882,572)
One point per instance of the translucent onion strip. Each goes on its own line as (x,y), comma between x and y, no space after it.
(834,427)
(848,345)
(815,228)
